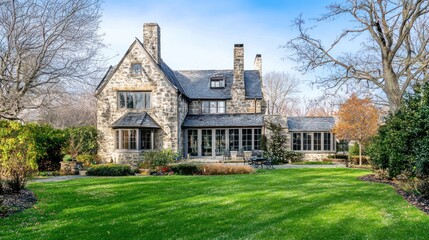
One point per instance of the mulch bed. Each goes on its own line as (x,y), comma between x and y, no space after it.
(16,202)
(418,201)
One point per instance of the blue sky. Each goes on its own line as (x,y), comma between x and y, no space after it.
(201,34)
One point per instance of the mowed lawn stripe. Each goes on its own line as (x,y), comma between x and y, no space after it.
(275,204)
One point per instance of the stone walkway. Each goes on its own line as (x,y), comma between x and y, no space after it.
(58,178)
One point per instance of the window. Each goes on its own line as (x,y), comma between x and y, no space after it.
(145,139)
(257,139)
(316,141)
(129,139)
(296,141)
(133,139)
(206,142)
(326,141)
(220,142)
(246,139)
(307,141)
(134,100)
(136,69)
(125,139)
(317,146)
(217,82)
(205,107)
(234,139)
(213,107)
(193,142)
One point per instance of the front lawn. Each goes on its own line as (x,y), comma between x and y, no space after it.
(277,204)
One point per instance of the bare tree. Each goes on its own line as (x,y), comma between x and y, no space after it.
(280,89)
(322,106)
(395,56)
(69,110)
(44,43)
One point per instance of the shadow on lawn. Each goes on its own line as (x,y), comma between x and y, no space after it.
(304,203)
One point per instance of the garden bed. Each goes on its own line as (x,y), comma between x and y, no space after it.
(418,201)
(16,202)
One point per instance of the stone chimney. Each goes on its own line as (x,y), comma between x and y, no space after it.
(257,64)
(152,40)
(238,67)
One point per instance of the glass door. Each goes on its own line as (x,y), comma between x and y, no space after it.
(193,142)
(220,142)
(206,143)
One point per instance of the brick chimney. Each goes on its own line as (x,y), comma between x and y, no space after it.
(257,64)
(238,67)
(152,40)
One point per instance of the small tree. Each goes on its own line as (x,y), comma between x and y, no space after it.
(277,142)
(81,140)
(17,156)
(357,120)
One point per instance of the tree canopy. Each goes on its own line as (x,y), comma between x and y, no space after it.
(394,51)
(357,120)
(44,43)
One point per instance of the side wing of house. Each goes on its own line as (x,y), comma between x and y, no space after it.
(312,136)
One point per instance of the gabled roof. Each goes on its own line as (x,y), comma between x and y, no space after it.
(135,120)
(310,123)
(196,84)
(162,66)
(224,120)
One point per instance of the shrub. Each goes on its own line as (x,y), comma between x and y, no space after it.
(221,169)
(48,144)
(277,144)
(87,159)
(185,169)
(338,156)
(156,160)
(354,150)
(67,158)
(293,156)
(17,156)
(355,160)
(110,170)
(80,140)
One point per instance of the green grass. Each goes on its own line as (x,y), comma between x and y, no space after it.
(278,204)
(313,163)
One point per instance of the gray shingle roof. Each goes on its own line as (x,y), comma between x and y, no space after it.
(135,120)
(310,123)
(196,84)
(224,120)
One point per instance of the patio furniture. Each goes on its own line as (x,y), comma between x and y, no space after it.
(240,154)
(226,155)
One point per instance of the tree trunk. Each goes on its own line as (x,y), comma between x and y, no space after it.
(392,88)
(360,154)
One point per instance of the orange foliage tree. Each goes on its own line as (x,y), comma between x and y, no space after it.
(357,120)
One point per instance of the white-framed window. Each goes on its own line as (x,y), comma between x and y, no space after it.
(312,141)
(217,82)
(136,69)
(134,139)
(213,107)
(134,100)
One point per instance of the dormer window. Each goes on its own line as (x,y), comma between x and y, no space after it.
(217,81)
(136,69)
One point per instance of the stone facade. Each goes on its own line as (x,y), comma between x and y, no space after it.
(175,105)
(165,104)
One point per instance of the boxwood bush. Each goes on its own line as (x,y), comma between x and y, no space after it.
(186,169)
(110,170)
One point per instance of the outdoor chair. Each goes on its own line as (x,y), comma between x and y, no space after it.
(226,155)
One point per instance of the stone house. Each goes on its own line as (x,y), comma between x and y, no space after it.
(142,105)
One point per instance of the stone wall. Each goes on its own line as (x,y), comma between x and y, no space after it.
(164,104)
